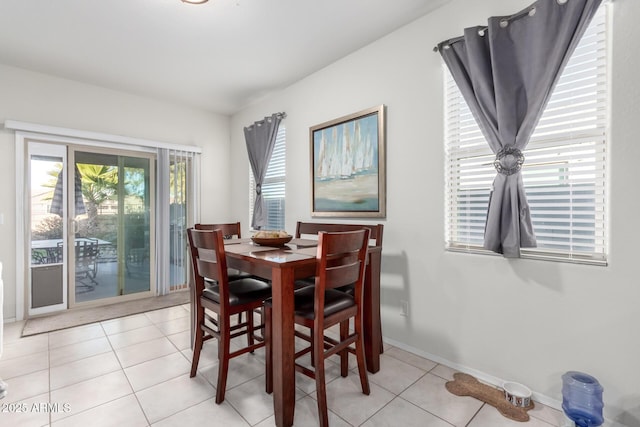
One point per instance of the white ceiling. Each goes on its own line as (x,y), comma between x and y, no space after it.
(221,56)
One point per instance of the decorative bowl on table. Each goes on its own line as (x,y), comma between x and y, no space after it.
(271,238)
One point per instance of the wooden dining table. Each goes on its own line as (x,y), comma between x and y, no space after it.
(282,266)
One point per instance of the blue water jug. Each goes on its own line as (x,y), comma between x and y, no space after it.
(582,399)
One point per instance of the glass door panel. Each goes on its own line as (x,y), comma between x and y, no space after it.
(112,234)
(48,283)
(91,222)
(136,225)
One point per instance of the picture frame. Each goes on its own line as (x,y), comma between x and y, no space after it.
(348,165)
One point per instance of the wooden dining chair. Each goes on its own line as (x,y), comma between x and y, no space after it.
(341,261)
(229,231)
(311,229)
(225,299)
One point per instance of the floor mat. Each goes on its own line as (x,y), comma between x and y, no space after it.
(83,316)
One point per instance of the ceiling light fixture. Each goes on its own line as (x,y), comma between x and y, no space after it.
(195,1)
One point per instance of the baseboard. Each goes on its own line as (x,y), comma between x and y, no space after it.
(482,376)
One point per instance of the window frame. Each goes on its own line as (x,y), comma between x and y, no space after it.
(275,176)
(455,125)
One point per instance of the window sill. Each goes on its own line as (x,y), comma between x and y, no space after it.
(536,254)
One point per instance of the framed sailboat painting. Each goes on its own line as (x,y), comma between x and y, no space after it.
(348,166)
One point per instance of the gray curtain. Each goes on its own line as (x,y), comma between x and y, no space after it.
(261,138)
(506,72)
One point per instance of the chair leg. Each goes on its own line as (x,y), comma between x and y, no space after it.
(250,327)
(197,345)
(344,354)
(362,362)
(267,350)
(223,358)
(197,348)
(321,387)
(261,312)
(313,352)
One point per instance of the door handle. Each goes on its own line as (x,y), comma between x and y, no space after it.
(75,226)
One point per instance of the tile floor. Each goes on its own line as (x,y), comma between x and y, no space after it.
(134,371)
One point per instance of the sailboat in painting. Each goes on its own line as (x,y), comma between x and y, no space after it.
(346,166)
(344,157)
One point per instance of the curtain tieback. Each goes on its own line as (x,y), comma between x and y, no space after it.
(509,160)
(258,189)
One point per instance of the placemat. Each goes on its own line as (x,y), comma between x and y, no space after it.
(305,251)
(300,243)
(236,241)
(248,247)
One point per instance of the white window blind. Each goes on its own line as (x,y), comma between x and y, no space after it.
(181,204)
(564,172)
(177,204)
(273,187)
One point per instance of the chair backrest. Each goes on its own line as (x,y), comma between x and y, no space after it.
(342,258)
(209,261)
(229,230)
(86,253)
(313,228)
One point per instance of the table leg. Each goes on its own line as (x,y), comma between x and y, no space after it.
(371,313)
(283,346)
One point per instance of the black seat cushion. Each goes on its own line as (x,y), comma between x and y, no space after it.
(234,274)
(334,301)
(311,281)
(307,281)
(240,291)
(350,289)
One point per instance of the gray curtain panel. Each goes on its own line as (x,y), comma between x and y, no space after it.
(506,72)
(261,138)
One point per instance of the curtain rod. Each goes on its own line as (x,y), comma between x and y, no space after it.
(531,10)
(281,115)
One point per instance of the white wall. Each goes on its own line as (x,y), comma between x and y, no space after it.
(522,320)
(37,98)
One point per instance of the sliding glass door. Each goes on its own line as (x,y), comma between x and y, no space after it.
(92,226)
(113,234)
